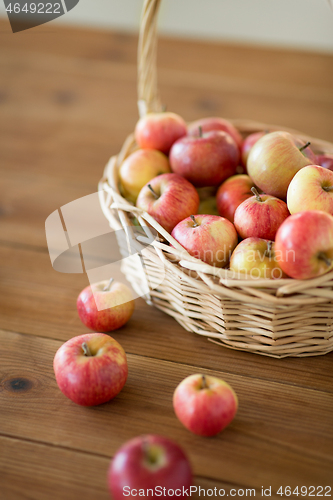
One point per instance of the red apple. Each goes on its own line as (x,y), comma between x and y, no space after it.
(159,131)
(232,193)
(311,189)
(105,306)
(304,244)
(248,143)
(139,168)
(210,238)
(169,198)
(205,160)
(260,216)
(274,160)
(325,161)
(205,405)
(90,369)
(153,463)
(215,123)
(256,258)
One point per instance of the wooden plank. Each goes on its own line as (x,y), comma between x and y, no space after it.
(33,294)
(275,438)
(50,472)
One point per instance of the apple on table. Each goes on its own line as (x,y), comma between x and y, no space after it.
(169,198)
(255,257)
(210,238)
(205,405)
(149,462)
(206,159)
(304,244)
(260,216)
(159,130)
(105,306)
(274,160)
(90,369)
(311,189)
(139,168)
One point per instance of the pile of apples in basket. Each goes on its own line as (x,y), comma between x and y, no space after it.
(262,206)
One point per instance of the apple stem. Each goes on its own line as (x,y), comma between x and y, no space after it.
(323,256)
(108,286)
(269,248)
(305,146)
(86,349)
(204,382)
(151,189)
(195,224)
(200,131)
(256,194)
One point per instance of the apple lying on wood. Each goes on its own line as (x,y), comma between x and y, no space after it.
(149,462)
(105,306)
(90,369)
(205,405)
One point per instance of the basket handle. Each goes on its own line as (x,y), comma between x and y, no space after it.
(148,98)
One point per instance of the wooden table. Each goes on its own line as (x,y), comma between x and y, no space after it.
(67,102)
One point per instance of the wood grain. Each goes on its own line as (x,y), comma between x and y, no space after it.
(271,414)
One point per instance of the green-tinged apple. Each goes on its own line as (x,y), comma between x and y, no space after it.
(139,168)
(215,123)
(210,238)
(205,160)
(256,258)
(274,160)
(208,206)
(325,161)
(148,465)
(90,369)
(260,216)
(105,306)
(159,131)
(232,193)
(169,198)
(248,143)
(205,405)
(304,244)
(311,189)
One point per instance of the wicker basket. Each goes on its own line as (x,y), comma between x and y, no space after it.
(273,317)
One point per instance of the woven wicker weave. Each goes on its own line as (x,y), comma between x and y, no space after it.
(273,317)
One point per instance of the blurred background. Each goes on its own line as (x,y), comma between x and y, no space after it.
(300,24)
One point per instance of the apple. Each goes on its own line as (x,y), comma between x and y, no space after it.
(274,160)
(210,238)
(260,216)
(256,257)
(311,189)
(105,306)
(325,161)
(205,160)
(304,244)
(248,143)
(205,405)
(208,206)
(90,369)
(169,198)
(215,123)
(139,168)
(232,193)
(148,464)
(159,131)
